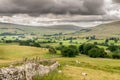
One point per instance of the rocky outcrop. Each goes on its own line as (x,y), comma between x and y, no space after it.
(26,71)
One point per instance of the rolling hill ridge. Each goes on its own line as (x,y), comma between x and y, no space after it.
(22,29)
(104,30)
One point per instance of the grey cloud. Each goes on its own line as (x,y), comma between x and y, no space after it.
(95,6)
(117,1)
(37,7)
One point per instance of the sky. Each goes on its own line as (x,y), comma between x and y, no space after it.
(81,10)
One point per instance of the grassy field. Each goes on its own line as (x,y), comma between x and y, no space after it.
(11,53)
(96,68)
(76,74)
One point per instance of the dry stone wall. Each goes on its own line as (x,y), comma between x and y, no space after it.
(26,71)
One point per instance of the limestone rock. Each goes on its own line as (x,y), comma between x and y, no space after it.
(26,71)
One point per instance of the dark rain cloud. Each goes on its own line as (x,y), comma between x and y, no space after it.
(117,1)
(37,7)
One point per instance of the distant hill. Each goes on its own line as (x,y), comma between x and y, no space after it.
(65,27)
(22,29)
(105,30)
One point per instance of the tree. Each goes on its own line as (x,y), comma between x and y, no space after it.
(61,43)
(36,44)
(95,43)
(106,41)
(70,51)
(75,48)
(116,54)
(52,50)
(84,48)
(92,50)
(81,49)
(97,52)
(113,48)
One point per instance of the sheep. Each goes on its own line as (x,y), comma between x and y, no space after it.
(84,73)
(59,71)
(77,62)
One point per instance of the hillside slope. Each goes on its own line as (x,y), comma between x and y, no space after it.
(102,31)
(22,29)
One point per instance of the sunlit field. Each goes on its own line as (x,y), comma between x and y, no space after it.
(96,68)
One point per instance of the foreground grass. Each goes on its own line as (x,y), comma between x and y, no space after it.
(11,53)
(76,74)
(108,65)
(54,75)
(96,68)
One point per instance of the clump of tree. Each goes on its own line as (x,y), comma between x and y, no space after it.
(91,37)
(92,50)
(114,38)
(97,52)
(116,54)
(115,51)
(61,43)
(113,48)
(25,43)
(106,41)
(52,50)
(36,44)
(84,48)
(70,51)
(111,38)
(29,43)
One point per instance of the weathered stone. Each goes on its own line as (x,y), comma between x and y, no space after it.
(26,71)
